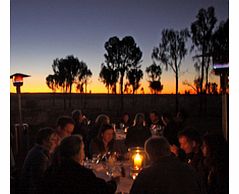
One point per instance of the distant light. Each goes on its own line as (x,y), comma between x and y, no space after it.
(17,78)
(220,66)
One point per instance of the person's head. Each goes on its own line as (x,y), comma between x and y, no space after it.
(65,126)
(47,138)
(214,146)
(190,140)
(106,133)
(125,118)
(102,119)
(72,147)
(139,119)
(153,116)
(77,115)
(166,118)
(156,148)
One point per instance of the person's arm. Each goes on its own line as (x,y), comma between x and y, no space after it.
(39,166)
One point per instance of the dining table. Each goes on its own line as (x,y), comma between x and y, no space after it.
(118,170)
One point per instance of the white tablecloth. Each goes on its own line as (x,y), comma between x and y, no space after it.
(124,184)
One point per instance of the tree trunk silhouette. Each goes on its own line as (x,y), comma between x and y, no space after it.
(177,104)
(121,83)
(85,86)
(121,92)
(70,96)
(108,97)
(201,81)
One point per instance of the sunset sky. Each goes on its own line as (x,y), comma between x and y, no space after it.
(44,30)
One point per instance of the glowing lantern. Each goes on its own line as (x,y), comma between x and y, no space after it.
(137,159)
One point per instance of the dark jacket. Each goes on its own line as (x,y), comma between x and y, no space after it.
(71,177)
(166,176)
(195,160)
(171,132)
(35,164)
(136,136)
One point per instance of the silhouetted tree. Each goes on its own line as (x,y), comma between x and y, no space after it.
(195,86)
(109,77)
(84,75)
(66,70)
(122,54)
(154,72)
(51,82)
(171,51)
(134,76)
(202,32)
(221,43)
(214,89)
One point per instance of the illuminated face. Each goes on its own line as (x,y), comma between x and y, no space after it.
(68,129)
(204,149)
(186,144)
(125,118)
(51,143)
(153,117)
(108,135)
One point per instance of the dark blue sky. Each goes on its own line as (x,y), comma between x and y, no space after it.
(42,30)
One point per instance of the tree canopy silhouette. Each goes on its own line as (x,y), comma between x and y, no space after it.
(221,43)
(202,38)
(171,51)
(122,55)
(68,71)
(134,75)
(109,77)
(51,82)
(154,72)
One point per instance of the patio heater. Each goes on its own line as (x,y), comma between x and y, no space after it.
(17,80)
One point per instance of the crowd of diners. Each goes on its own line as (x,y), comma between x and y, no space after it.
(180,159)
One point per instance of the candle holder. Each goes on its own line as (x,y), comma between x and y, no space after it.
(137,160)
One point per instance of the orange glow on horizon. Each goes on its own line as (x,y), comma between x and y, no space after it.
(35,84)
(94,89)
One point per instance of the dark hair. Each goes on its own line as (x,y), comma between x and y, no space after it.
(157,147)
(44,134)
(70,146)
(154,112)
(103,128)
(75,114)
(63,121)
(101,119)
(167,115)
(137,118)
(191,134)
(217,149)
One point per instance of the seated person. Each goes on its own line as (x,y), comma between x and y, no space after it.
(64,127)
(170,129)
(190,142)
(125,121)
(81,123)
(101,119)
(138,133)
(71,176)
(215,151)
(156,125)
(37,160)
(104,143)
(166,174)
